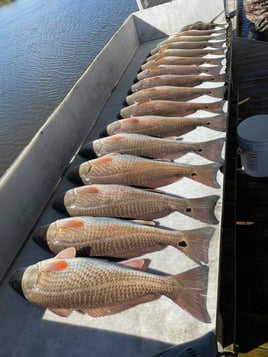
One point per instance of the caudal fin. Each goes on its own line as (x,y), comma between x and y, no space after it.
(217,92)
(212,150)
(205,174)
(195,243)
(201,208)
(215,107)
(191,292)
(217,123)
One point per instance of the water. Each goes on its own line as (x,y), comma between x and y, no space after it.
(45,46)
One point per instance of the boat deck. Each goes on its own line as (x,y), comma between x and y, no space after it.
(244,278)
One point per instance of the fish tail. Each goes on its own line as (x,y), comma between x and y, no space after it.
(201,208)
(205,174)
(217,123)
(195,243)
(212,71)
(216,107)
(218,92)
(211,150)
(191,292)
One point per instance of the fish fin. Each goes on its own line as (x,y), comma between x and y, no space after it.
(212,71)
(215,107)
(104,160)
(55,265)
(201,208)
(145,101)
(218,92)
(116,308)
(145,223)
(192,292)
(140,264)
(217,123)
(67,253)
(62,312)
(195,243)
(205,174)
(211,150)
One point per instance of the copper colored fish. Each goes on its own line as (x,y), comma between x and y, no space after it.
(177,70)
(184,53)
(185,38)
(100,288)
(118,238)
(201,32)
(175,80)
(174,93)
(163,126)
(134,203)
(137,171)
(188,45)
(169,108)
(175,61)
(151,147)
(200,25)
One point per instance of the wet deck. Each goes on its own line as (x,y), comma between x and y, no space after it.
(244,251)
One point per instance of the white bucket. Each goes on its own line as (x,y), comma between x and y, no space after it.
(252,136)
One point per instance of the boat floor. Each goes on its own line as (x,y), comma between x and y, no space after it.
(142,331)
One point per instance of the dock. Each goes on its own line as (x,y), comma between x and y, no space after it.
(244,268)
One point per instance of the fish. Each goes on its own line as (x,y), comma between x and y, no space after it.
(121,201)
(200,25)
(99,288)
(185,38)
(203,32)
(185,53)
(175,80)
(151,147)
(184,45)
(124,169)
(160,126)
(118,238)
(169,108)
(174,93)
(177,61)
(177,70)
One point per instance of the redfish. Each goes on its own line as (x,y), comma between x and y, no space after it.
(169,108)
(151,147)
(137,171)
(201,32)
(177,70)
(185,53)
(201,25)
(163,126)
(134,203)
(175,80)
(175,60)
(100,288)
(118,238)
(188,45)
(174,93)
(187,38)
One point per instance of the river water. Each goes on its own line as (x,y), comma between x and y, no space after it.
(45,46)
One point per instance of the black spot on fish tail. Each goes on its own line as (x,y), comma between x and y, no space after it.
(40,237)
(87,151)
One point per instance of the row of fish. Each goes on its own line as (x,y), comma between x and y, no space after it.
(116,200)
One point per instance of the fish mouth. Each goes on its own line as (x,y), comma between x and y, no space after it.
(87,151)
(73,176)
(58,203)
(39,236)
(15,281)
